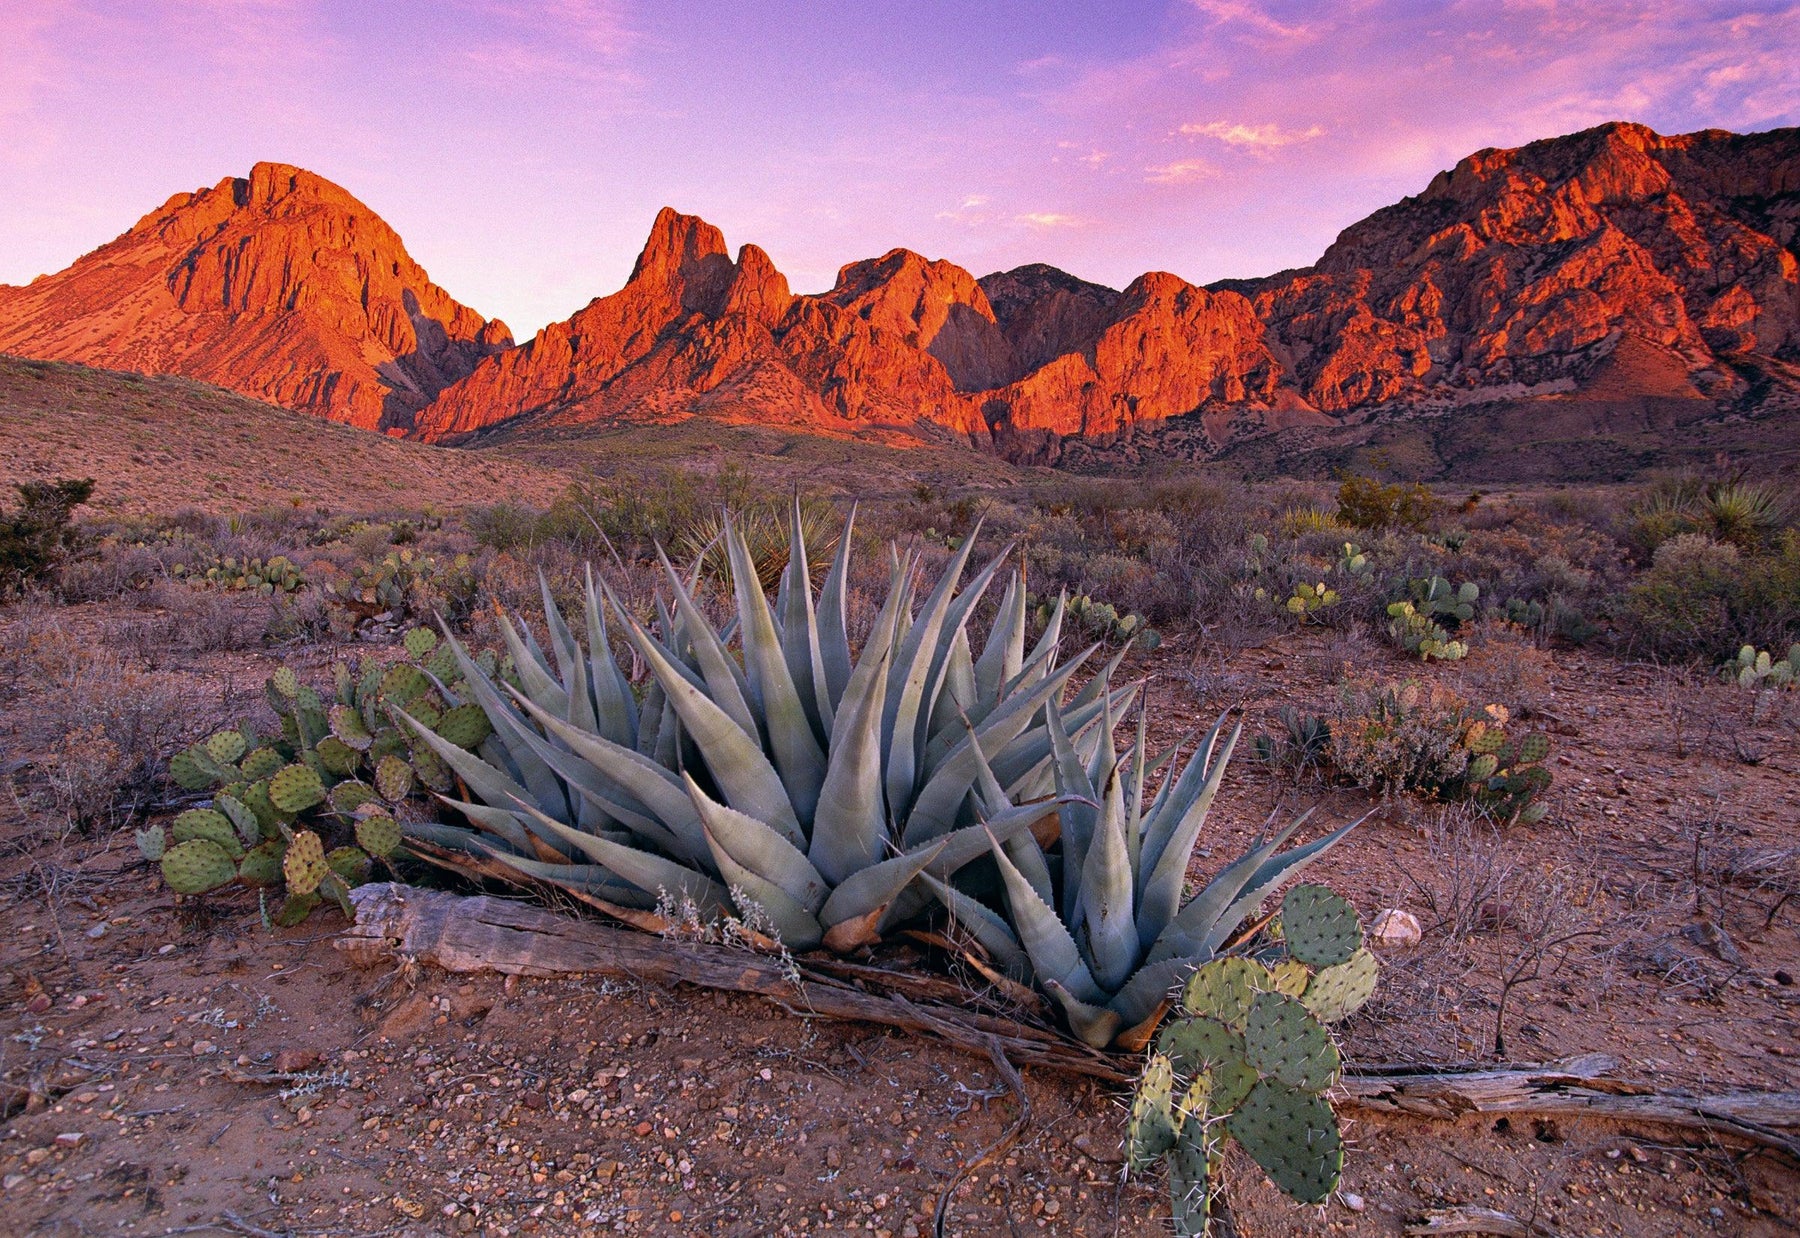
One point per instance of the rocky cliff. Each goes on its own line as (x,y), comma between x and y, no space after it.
(1613,264)
(279,285)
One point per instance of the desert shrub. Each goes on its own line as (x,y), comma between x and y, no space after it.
(38,535)
(1366,503)
(504,526)
(112,722)
(1749,515)
(1682,607)
(1430,740)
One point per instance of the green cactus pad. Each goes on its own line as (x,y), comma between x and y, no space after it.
(152,842)
(226,747)
(261,764)
(347,797)
(420,642)
(338,757)
(1320,927)
(304,865)
(393,778)
(1281,1038)
(242,819)
(1191,1164)
(1294,1136)
(431,769)
(1199,1043)
(261,865)
(197,866)
(349,863)
(1224,989)
(1338,992)
(256,799)
(1152,1130)
(295,909)
(285,682)
(379,835)
(204,823)
(1290,977)
(424,714)
(402,684)
(347,726)
(443,664)
(1483,767)
(1534,747)
(188,775)
(294,789)
(1534,813)
(465,726)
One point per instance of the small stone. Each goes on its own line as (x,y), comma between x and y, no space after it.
(290,1060)
(409,1207)
(13,1182)
(833,1159)
(1353,1201)
(204,1047)
(1052,1207)
(71,1139)
(1394,927)
(37,1156)
(97,932)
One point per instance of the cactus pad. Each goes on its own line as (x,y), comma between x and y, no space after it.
(349,863)
(151,841)
(197,866)
(347,726)
(420,642)
(1290,977)
(294,789)
(186,772)
(207,824)
(1483,767)
(226,747)
(1294,1136)
(1321,928)
(1224,989)
(285,682)
(242,819)
(1534,813)
(401,684)
(304,865)
(1534,747)
(347,797)
(261,865)
(1191,1164)
(379,835)
(465,726)
(1196,1044)
(1151,1131)
(261,764)
(1284,1040)
(338,757)
(393,778)
(431,769)
(1338,992)
(295,909)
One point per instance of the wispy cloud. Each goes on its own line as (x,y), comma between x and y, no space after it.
(1255,137)
(1046,219)
(1253,18)
(1181,172)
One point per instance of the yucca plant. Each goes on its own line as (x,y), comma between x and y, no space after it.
(812,787)
(1105,932)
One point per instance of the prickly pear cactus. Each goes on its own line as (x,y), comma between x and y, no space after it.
(1248,1056)
(337,771)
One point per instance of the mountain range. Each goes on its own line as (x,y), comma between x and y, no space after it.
(1611,267)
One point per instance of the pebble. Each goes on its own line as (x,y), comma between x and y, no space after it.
(1353,1201)
(71,1139)
(1394,927)
(97,932)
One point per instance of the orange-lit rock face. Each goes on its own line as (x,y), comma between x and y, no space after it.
(1527,265)
(280,285)
(1614,257)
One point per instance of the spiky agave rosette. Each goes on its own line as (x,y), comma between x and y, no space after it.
(796,784)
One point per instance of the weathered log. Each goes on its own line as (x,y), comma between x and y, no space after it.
(481,933)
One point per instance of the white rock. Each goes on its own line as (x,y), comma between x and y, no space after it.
(1353,1201)
(1394,927)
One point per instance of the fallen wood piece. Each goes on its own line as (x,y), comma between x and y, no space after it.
(481,933)
(1577,1089)
(1476,1221)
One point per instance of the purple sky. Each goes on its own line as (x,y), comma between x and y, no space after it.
(521,149)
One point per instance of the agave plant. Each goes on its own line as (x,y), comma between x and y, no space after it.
(798,781)
(1105,932)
